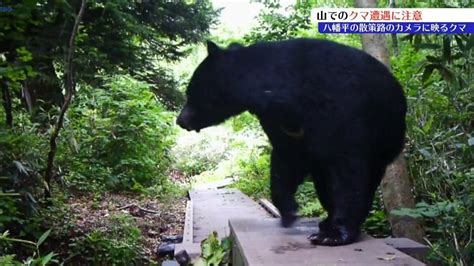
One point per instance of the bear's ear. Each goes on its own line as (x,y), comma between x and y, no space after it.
(235,46)
(212,48)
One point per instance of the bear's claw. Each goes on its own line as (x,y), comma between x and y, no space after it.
(333,237)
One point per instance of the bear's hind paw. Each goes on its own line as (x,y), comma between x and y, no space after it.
(333,238)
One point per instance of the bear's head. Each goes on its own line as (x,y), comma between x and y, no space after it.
(210,96)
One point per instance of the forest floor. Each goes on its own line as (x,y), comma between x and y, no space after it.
(156,218)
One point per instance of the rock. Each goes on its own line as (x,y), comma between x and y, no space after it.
(182,258)
(172,239)
(165,250)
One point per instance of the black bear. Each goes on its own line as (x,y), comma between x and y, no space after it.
(330,111)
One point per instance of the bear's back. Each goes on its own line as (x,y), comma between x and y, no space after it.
(320,78)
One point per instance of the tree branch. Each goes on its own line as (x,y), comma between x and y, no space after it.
(70,90)
(7,103)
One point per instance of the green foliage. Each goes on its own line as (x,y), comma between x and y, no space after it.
(22,150)
(117,245)
(278,23)
(437,4)
(57,215)
(197,153)
(245,121)
(15,58)
(166,190)
(216,154)
(34,259)
(274,25)
(377,224)
(115,37)
(445,222)
(8,260)
(255,174)
(438,80)
(119,135)
(164,85)
(308,201)
(214,251)
(450,56)
(254,181)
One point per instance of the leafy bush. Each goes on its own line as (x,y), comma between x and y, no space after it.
(255,181)
(214,251)
(58,215)
(308,201)
(119,135)
(117,245)
(22,150)
(255,174)
(216,153)
(196,153)
(439,81)
(445,221)
(377,224)
(245,121)
(274,25)
(35,259)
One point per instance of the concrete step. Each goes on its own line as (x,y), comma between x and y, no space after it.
(210,210)
(262,242)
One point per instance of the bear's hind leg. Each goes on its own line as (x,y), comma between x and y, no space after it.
(287,173)
(350,197)
(322,188)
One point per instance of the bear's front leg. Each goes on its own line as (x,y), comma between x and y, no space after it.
(351,194)
(286,174)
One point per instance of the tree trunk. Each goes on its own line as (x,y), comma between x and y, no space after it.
(7,104)
(396,187)
(394,35)
(27,96)
(70,89)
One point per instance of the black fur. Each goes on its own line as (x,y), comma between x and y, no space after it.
(329,110)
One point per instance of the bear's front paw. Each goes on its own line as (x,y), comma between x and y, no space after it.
(333,237)
(288,220)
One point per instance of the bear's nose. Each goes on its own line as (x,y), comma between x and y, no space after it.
(183,119)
